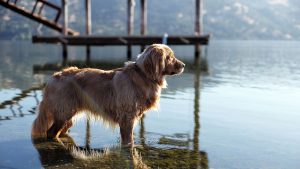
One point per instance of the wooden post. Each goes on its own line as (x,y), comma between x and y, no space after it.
(143,19)
(41,9)
(198,24)
(198,19)
(65,17)
(88,27)
(65,28)
(34,7)
(130,23)
(130,20)
(88,134)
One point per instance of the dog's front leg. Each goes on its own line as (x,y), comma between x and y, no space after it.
(126,129)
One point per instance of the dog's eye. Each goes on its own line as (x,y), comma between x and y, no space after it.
(168,57)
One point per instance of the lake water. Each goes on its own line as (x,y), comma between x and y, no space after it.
(242,113)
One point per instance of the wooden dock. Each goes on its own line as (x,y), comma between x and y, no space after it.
(71,37)
(121,40)
(128,40)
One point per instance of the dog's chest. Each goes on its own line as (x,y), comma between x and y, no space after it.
(151,98)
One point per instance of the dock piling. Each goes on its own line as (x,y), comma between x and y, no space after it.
(65,27)
(143,20)
(88,27)
(130,24)
(198,25)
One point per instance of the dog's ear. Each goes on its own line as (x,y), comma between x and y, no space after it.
(154,61)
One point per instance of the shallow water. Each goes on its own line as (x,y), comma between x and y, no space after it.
(242,113)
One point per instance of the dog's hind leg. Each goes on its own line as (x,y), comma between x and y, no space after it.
(59,127)
(55,129)
(66,127)
(43,121)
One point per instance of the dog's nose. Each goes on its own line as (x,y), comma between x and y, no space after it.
(183,65)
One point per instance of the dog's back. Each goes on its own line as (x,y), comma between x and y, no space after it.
(66,72)
(74,90)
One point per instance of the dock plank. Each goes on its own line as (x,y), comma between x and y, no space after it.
(121,40)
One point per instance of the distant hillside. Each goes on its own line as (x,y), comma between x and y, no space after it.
(224,19)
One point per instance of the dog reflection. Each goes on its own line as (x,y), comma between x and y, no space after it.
(52,153)
(63,152)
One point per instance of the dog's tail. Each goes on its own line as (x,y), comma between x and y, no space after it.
(42,122)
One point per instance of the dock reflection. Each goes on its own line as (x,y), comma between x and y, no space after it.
(15,102)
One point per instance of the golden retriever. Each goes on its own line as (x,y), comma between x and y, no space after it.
(119,96)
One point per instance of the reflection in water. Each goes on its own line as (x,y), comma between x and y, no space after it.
(88,134)
(242,89)
(52,152)
(16,101)
(65,153)
(203,156)
(168,152)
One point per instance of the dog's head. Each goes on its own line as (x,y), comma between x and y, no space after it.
(159,60)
